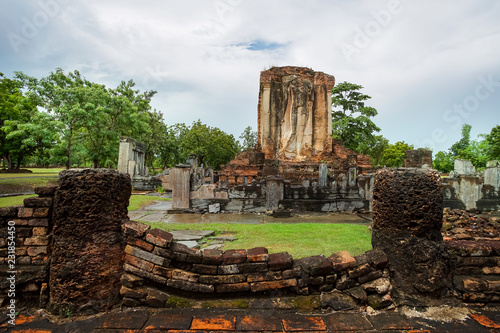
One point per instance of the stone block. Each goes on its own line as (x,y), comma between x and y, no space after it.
(315,265)
(156,298)
(159,237)
(135,229)
(45,191)
(137,293)
(38,202)
(342,260)
(39,231)
(232,288)
(312,281)
(280,261)
(272,285)
(358,293)
(234,257)
(258,254)
(376,258)
(163,271)
(145,255)
(38,222)
(183,285)
(379,302)
(344,282)
(338,301)
(373,275)
(228,269)
(8,211)
(37,251)
(380,286)
(360,271)
(147,275)
(206,289)
(292,273)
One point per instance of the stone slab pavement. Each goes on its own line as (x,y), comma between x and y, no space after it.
(224,320)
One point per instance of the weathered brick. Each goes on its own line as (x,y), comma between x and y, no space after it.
(292,273)
(491,270)
(212,257)
(21,222)
(272,285)
(140,244)
(139,263)
(376,258)
(145,255)
(344,282)
(206,288)
(311,281)
(163,271)
(257,254)
(159,237)
(38,202)
(136,271)
(41,212)
(342,260)
(234,257)
(370,276)
(280,261)
(268,276)
(37,250)
(183,285)
(26,260)
(39,231)
(228,269)
(179,274)
(359,271)
(45,191)
(21,250)
(37,240)
(315,265)
(135,229)
(38,222)
(133,293)
(232,288)
(25,212)
(478,261)
(23,232)
(205,269)
(156,298)
(8,211)
(252,267)
(131,281)
(222,279)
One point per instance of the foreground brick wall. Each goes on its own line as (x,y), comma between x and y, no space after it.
(32,227)
(155,266)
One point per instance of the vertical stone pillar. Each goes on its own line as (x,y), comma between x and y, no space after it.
(275,191)
(86,262)
(180,177)
(323,175)
(408,212)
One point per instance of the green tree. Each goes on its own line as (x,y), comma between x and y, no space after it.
(443,162)
(248,139)
(493,141)
(394,155)
(464,141)
(155,139)
(374,148)
(351,117)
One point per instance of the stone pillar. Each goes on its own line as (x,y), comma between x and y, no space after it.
(408,212)
(275,191)
(323,175)
(90,206)
(180,180)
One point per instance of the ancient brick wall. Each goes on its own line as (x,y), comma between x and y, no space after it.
(155,268)
(32,226)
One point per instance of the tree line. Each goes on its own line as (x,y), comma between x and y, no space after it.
(65,119)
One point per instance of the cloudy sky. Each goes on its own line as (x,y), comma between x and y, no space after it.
(429,66)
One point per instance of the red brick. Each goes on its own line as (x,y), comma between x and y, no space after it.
(25,212)
(234,257)
(135,229)
(139,263)
(41,212)
(342,260)
(164,321)
(257,254)
(163,271)
(220,322)
(140,244)
(280,261)
(179,274)
(38,202)
(159,237)
(306,323)
(212,257)
(232,288)
(259,323)
(270,285)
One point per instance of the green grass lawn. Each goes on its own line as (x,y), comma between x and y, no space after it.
(138,201)
(14,201)
(298,239)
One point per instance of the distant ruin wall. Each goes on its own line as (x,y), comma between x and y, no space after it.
(294,113)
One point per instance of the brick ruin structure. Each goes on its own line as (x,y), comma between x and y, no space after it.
(76,250)
(294,149)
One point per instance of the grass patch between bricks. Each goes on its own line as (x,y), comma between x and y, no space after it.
(298,239)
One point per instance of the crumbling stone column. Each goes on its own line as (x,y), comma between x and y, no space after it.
(408,212)
(87,248)
(275,191)
(180,178)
